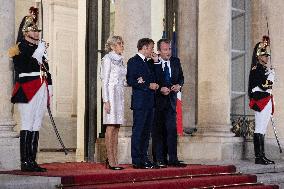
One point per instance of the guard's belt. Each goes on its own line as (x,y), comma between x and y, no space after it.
(29,74)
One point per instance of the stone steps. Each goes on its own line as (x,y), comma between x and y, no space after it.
(268,174)
(272,178)
(49,157)
(28,182)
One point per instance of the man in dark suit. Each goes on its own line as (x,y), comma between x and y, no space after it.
(169,77)
(140,77)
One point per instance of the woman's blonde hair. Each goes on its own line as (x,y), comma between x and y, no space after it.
(112,40)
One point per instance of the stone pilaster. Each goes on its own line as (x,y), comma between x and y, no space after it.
(81,80)
(9,144)
(132,22)
(187,49)
(214,57)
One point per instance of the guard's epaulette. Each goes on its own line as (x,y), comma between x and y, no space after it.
(253,68)
(13,51)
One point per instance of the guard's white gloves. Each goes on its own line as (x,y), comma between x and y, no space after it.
(270,70)
(39,52)
(271,75)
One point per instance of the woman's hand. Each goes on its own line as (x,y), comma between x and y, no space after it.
(107,107)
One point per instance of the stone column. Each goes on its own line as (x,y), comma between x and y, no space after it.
(213,85)
(9,144)
(81,80)
(214,57)
(132,22)
(187,48)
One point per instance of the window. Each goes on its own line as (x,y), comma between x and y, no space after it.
(241,58)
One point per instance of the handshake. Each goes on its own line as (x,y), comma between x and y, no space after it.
(41,52)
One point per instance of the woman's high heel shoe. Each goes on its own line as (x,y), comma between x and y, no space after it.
(112,168)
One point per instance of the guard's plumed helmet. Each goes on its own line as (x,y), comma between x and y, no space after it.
(34,13)
(262,47)
(31,20)
(30,25)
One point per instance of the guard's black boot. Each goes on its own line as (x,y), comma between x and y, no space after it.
(33,150)
(26,164)
(259,159)
(263,150)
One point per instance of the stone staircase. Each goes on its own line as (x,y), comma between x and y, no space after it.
(268,174)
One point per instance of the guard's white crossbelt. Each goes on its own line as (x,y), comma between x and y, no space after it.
(262,118)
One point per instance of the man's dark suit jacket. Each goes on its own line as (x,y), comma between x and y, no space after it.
(162,101)
(142,97)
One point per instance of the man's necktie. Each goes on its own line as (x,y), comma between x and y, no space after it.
(167,76)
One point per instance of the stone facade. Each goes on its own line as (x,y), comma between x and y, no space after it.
(9,141)
(187,43)
(204,40)
(204,47)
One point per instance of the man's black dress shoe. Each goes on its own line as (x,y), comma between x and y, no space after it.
(146,165)
(177,164)
(160,164)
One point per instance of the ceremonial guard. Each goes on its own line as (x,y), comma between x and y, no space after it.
(32,90)
(261,79)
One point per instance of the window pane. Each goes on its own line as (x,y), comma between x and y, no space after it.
(236,14)
(236,55)
(240,54)
(238,33)
(238,4)
(238,104)
(238,70)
